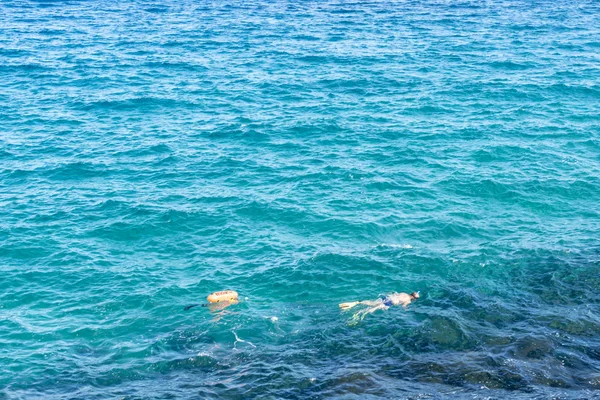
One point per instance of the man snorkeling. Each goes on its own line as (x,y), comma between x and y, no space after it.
(382,303)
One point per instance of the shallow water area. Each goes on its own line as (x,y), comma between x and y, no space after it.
(304,154)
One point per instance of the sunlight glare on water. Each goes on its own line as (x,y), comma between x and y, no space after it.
(304,154)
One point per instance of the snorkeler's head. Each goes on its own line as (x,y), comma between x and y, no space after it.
(414,295)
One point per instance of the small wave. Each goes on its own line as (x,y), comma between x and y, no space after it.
(77,171)
(396,246)
(511,65)
(427,109)
(145,151)
(26,67)
(136,103)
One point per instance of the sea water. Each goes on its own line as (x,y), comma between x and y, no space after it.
(303,153)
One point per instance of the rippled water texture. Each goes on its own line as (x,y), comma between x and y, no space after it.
(305,154)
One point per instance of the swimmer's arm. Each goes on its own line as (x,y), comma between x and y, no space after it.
(381,306)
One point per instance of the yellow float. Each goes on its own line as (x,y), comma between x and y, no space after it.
(225,295)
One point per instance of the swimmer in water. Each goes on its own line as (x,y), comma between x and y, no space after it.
(382,303)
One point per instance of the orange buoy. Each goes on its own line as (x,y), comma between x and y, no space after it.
(225,295)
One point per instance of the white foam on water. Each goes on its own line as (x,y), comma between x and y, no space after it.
(396,245)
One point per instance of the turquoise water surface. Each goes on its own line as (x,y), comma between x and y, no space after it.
(303,153)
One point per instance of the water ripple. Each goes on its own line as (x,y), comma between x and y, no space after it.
(303,154)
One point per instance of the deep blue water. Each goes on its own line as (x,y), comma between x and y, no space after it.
(305,154)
